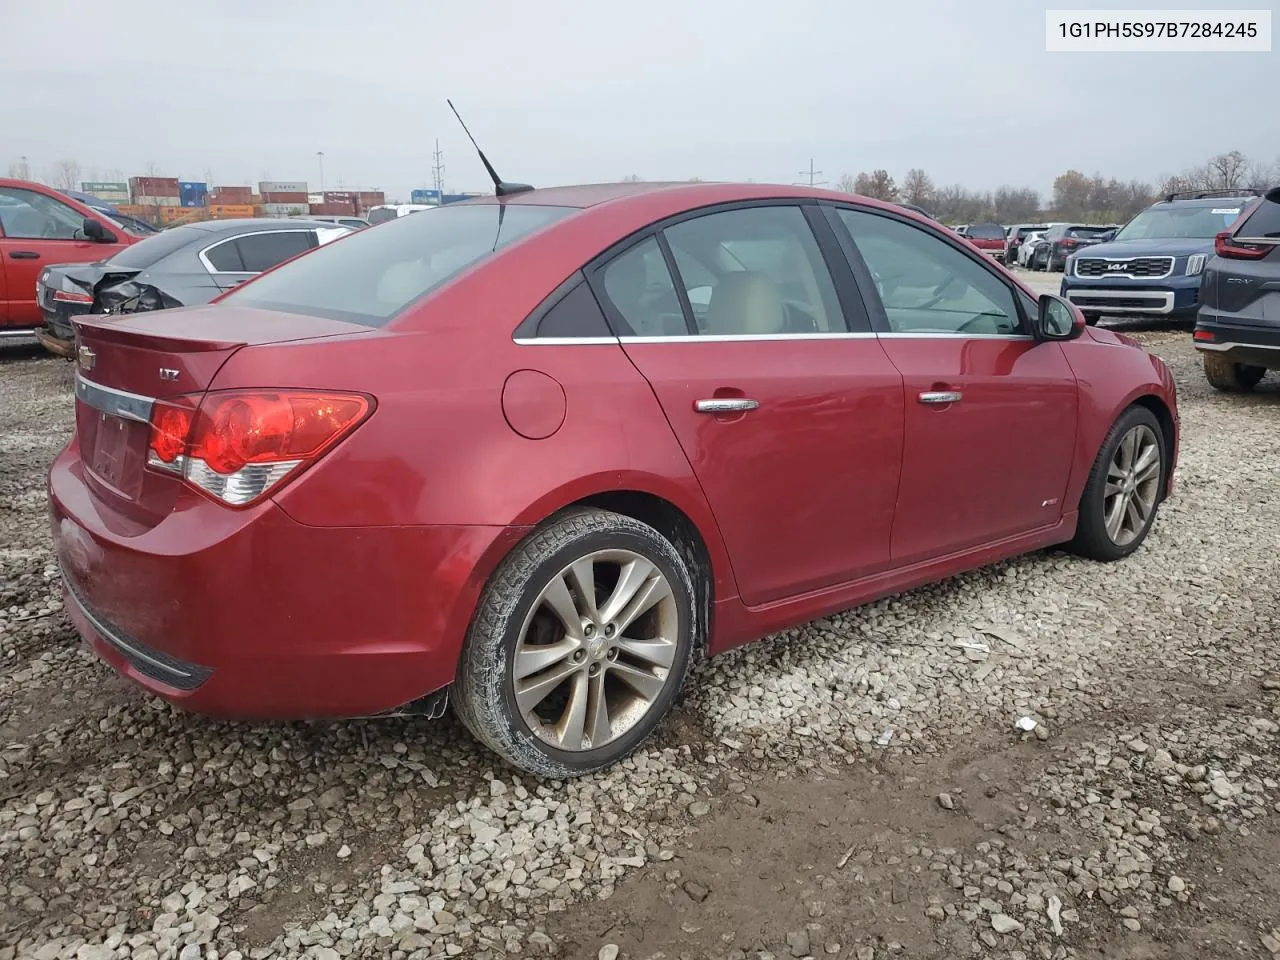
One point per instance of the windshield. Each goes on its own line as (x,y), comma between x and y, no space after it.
(1167,222)
(986,231)
(382,214)
(140,255)
(374,274)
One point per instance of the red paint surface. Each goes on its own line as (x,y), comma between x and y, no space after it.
(533,403)
(351,590)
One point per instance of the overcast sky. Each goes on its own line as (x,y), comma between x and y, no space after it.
(560,92)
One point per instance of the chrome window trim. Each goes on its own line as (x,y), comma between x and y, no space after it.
(113,402)
(753,337)
(1075,269)
(204,260)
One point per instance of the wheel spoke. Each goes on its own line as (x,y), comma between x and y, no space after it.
(532,693)
(655,590)
(1143,508)
(560,602)
(1147,458)
(1133,515)
(582,577)
(1113,488)
(1115,515)
(658,651)
(534,658)
(641,681)
(631,578)
(1115,471)
(573,722)
(599,729)
(1128,449)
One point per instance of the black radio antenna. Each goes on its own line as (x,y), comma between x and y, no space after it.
(500,188)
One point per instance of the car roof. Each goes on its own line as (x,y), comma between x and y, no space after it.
(1206,201)
(654,200)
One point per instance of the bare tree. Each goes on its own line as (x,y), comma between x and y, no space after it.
(695,179)
(1016,204)
(917,188)
(20,170)
(632,178)
(152,169)
(877,184)
(66,175)
(1226,171)
(846,184)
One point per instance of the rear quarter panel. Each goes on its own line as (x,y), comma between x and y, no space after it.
(438,448)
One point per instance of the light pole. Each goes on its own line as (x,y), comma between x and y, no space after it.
(320,155)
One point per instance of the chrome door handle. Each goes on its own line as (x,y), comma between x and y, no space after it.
(726,405)
(941,396)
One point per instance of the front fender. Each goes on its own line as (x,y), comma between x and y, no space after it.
(1112,376)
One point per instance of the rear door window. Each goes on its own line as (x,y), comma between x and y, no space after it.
(262,251)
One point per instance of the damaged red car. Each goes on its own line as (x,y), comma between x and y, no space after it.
(532,454)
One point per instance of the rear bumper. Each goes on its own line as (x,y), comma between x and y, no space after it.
(250,614)
(1256,345)
(55,344)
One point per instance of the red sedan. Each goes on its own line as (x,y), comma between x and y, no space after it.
(536,453)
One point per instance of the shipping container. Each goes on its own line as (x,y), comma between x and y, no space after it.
(193,193)
(339,196)
(334,209)
(113,191)
(182,214)
(152,187)
(232,194)
(371,198)
(284,197)
(149,201)
(229,211)
(283,209)
(282,186)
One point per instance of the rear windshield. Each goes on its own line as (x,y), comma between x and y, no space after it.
(986,231)
(1085,233)
(157,246)
(1201,222)
(381,215)
(1263,222)
(372,275)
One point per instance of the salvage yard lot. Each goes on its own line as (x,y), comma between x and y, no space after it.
(853,788)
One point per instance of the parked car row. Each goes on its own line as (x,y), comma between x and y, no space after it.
(182,266)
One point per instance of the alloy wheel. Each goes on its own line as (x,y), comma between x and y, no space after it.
(1133,485)
(596,650)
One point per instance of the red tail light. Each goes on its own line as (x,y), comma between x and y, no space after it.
(67,296)
(1224,245)
(1204,335)
(238,445)
(1068,242)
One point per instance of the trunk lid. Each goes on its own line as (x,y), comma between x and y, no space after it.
(126,362)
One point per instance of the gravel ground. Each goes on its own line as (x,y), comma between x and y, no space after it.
(852,788)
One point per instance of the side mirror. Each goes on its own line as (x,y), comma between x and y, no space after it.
(1057,319)
(96,232)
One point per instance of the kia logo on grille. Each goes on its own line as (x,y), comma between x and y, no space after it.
(1115,266)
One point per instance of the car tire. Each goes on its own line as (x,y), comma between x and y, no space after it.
(1106,529)
(534,706)
(1230,377)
